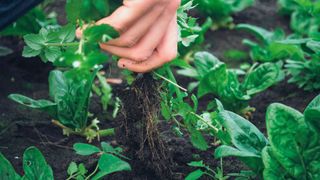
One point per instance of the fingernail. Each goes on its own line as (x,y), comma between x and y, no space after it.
(121,65)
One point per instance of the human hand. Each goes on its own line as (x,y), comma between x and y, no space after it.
(148,33)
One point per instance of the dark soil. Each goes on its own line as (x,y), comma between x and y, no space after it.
(21,127)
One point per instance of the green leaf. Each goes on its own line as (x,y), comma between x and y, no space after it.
(272,168)
(108,164)
(260,33)
(204,61)
(35,166)
(107,148)
(293,144)
(197,164)
(312,113)
(197,174)
(85,149)
(52,53)
(262,78)
(73,168)
(100,33)
(7,172)
(67,33)
(227,151)
(197,139)
(44,105)
(34,41)
(29,52)
(214,81)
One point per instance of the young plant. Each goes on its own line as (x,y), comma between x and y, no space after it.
(292,151)
(220,11)
(70,95)
(269,49)
(305,73)
(108,163)
(305,15)
(213,77)
(34,167)
(204,169)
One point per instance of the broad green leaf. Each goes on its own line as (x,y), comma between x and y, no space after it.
(72,168)
(245,137)
(34,41)
(226,151)
(108,164)
(52,53)
(203,62)
(272,168)
(197,174)
(312,113)
(67,33)
(262,34)
(44,105)
(107,148)
(214,81)
(58,85)
(29,52)
(293,144)
(7,172)
(262,78)
(35,166)
(85,149)
(197,139)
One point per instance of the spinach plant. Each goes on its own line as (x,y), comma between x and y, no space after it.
(70,95)
(220,11)
(213,77)
(305,15)
(305,73)
(268,49)
(34,167)
(109,161)
(292,151)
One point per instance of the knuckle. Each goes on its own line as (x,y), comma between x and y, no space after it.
(129,42)
(141,55)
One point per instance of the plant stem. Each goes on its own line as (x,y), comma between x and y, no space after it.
(170,81)
(73,176)
(106,132)
(62,44)
(173,79)
(204,121)
(95,170)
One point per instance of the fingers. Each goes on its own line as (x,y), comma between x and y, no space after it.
(145,47)
(138,30)
(166,51)
(131,11)
(128,14)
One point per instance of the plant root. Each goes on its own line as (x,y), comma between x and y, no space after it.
(141,104)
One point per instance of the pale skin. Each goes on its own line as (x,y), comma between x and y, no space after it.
(148,34)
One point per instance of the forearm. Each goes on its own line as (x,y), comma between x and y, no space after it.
(11,10)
